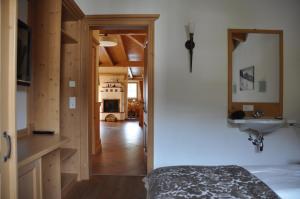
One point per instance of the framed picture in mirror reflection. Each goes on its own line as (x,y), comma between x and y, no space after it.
(247,78)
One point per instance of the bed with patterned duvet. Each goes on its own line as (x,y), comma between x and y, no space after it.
(211,182)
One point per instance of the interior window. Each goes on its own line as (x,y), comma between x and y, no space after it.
(132,90)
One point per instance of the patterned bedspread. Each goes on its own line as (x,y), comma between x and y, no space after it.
(189,182)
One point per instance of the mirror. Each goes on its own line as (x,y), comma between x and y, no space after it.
(255,62)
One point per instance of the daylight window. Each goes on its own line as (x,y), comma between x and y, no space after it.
(132,90)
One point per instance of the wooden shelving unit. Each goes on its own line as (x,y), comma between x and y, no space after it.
(71,26)
(66,38)
(53,66)
(66,153)
(67,181)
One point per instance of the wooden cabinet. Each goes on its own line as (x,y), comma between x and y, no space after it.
(39,166)
(29,181)
(41,178)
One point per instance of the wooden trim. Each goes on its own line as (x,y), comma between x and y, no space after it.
(124,17)
(150,100)
(270,109)
(73,10)
(147,20)
(262,31)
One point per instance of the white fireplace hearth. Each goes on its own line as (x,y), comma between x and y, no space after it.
(112,100)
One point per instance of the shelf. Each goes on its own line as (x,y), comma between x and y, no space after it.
(33,147)
(66,153)
(66,38)
(67,181)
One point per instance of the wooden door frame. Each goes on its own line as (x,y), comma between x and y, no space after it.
(134,20)
(96,145)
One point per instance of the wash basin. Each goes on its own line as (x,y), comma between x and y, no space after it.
(262,125)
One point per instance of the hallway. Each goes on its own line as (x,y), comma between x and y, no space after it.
(122,150)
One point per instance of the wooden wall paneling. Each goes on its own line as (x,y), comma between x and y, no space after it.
(51,175)
(70,118)
(30,181)
(71,28)
(46,35)
(85,91)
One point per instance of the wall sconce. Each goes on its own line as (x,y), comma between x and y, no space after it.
(189,44)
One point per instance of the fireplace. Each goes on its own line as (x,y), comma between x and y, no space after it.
(111,105)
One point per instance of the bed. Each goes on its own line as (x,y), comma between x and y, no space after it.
(188,182)
(283,179)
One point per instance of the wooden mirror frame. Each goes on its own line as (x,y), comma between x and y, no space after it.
(269,109)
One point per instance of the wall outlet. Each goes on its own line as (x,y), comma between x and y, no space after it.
(72,84)
(72,102)
(248,108)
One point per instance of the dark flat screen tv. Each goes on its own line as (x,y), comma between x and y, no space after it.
(23,55)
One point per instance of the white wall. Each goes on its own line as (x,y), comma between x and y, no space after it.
(191,109)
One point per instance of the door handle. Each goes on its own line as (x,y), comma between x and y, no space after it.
(8,143)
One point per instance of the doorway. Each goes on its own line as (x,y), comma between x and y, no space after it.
(119,103)
(93,23)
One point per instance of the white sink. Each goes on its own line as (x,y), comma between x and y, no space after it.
(261,126)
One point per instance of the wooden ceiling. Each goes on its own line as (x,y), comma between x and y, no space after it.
(128,53)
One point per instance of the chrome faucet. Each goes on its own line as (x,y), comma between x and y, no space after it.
(258,114)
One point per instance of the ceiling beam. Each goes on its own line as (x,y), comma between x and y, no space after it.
(139,78)
(136,41)
(122,47)
(124,32)
(106,54)
(130,73)
(126,64)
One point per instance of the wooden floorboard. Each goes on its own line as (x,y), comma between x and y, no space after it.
(122,150)
(109,187)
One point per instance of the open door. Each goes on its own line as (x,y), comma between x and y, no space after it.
(8,158)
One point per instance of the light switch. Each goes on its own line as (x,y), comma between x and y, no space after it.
(248,108)
(72,102)
(72,84)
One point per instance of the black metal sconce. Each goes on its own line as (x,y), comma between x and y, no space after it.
(189,44)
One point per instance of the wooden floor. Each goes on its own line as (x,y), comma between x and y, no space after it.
(122,150)
(109,187)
